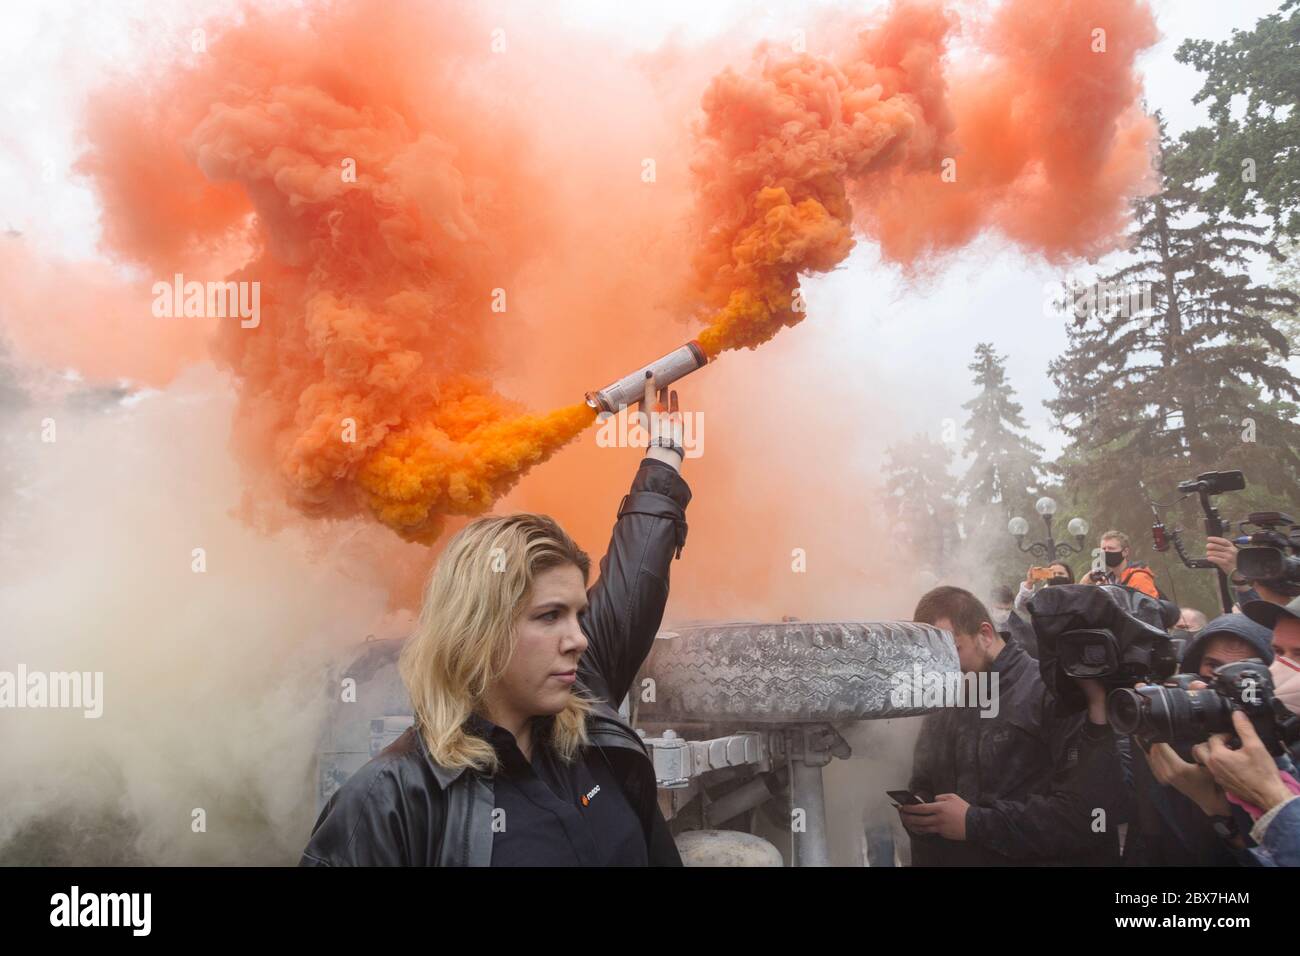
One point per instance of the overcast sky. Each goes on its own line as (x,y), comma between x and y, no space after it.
(990,293)
(917,343)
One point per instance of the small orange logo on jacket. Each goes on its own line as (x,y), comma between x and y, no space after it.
(586,799)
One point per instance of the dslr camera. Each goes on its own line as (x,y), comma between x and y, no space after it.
(1173,713)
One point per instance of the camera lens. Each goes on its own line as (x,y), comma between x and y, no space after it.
(1124,709)
(1168,714)
(1203,712)
(1149,712)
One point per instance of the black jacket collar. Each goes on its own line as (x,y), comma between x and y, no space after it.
(605,728)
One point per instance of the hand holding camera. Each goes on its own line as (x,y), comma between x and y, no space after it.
(1188,710)
(1249,771)
(1190,779)
(1221,553)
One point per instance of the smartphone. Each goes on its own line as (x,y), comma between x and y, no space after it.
(904,798)
(1041,574)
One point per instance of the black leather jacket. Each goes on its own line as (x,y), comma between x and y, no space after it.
(1032,778)
(401,809)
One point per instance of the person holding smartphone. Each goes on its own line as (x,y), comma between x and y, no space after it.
(1058,572)
(1020,785)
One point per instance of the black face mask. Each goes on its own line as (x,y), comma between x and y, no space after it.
(1058,579)
(1114,559)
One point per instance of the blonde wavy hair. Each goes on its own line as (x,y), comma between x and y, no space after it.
(466,633)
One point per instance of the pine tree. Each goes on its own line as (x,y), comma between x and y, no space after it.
(1003,474)
(920,499)
(1252,87)
(1286,275)
(1173,369)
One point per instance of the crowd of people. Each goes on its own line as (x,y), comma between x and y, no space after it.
(518,755)
(1043,782)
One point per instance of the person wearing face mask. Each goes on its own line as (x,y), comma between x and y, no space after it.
(1277,830)
(1246,780)
(1000,602)
(1190,623)
(1181,818)
(518,755)
(1061,574)
(1286,682)
(1286,688)
(1284,620)
(1117,550)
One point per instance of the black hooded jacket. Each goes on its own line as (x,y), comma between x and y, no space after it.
(1168,828)
(401,809)
(1034,780)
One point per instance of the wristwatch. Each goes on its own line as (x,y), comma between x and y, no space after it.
(661,442)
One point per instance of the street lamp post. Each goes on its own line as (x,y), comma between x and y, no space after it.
(1049,550)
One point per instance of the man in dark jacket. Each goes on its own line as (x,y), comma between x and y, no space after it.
(1020,785)
(403,809)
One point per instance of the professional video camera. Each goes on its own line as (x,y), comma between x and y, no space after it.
(1205,487)
(1108,633)
(1271,554)
(1176,714)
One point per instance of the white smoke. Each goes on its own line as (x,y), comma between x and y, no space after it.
(214,680)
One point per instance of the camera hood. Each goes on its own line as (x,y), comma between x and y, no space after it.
(1091,613)
(1079,607)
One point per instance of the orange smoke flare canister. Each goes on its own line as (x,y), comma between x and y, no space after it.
(630,389)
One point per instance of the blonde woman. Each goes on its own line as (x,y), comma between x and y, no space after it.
(518,755)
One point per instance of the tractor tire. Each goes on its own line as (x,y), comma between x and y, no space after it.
(790,672)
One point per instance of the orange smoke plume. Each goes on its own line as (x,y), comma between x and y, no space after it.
(347,159)
(1045,139)
(382,222)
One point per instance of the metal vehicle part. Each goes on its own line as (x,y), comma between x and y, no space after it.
(759,698)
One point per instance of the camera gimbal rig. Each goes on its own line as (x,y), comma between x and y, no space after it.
(1204,486)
